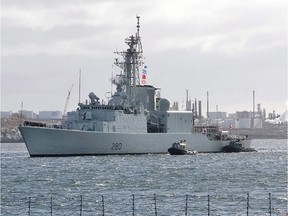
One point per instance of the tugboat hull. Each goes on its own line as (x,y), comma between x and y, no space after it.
(237,147)
(174,151)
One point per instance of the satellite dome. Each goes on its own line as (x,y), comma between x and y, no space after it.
(164,104)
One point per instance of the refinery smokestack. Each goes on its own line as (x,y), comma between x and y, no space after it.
(188,101)
(199,109)
(196,111)
(253,114)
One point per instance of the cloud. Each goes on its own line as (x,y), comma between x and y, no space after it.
(43,16)
(202,44)
(219,26)
(222,26)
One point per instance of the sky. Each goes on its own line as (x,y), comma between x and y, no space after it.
(229,48)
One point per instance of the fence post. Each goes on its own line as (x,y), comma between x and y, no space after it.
(29,207)
(186,207)
(270,205)
(155,204)
(133,205)
(103,205)
(51,206)
(80,205)
(208,205)
(247,204)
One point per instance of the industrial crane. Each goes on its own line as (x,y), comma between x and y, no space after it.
(66,104)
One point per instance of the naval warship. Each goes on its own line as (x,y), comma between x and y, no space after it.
(136,120)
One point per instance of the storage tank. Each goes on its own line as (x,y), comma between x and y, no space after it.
(258,123)
(245,123)
(230,123)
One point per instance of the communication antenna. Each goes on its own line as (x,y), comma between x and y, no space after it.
(253,114)
(21,112)
(207,104)
(138,25)
(79,86)
(139,44)
(111,83)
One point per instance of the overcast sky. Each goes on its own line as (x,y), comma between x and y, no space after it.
(226,47)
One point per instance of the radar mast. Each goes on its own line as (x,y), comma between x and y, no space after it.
(132,60)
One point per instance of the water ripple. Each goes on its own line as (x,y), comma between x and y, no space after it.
(226,178)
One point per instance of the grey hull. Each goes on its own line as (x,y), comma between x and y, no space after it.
(43,141)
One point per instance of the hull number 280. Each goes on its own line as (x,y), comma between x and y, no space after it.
(116,146)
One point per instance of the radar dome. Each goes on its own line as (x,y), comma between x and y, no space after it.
(164,104)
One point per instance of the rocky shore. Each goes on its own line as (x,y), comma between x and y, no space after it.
(9,129)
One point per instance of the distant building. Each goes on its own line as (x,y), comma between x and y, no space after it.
(244,123)
(258,123)
(217,115)
(241,119)
(6,114)
(26,114)
(73,115)
(243,114)
(230,123)
(175,106)
(50,115)
(232,116)
(248,123)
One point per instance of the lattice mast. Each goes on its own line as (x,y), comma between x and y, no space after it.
(132,60)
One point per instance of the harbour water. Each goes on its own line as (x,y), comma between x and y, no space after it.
(225,177)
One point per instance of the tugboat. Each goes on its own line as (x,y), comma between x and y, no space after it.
(235,146)
(179,148)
